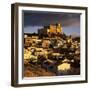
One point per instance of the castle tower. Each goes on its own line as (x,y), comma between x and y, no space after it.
(52,29)
(59,28)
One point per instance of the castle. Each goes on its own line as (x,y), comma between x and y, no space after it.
(51,29)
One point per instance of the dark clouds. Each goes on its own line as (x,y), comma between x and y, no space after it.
(38,18)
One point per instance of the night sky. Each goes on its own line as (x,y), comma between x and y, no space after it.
(34,20)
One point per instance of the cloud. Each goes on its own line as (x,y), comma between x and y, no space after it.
(69,30)
(32,29)
(44,18)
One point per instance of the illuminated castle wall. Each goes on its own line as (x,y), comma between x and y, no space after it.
(51,29)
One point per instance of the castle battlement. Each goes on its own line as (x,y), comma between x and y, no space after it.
(51,29)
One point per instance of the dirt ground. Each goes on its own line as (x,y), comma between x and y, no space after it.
(36,71)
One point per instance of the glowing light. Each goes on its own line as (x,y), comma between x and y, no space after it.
(64,66)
